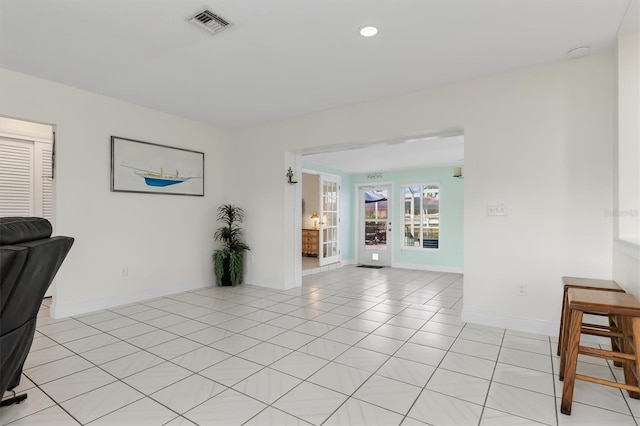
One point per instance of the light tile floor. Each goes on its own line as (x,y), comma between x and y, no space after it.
(311,265)
(353,346)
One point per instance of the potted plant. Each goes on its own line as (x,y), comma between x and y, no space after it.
(228,260)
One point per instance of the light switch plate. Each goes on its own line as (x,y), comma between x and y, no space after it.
(496,209)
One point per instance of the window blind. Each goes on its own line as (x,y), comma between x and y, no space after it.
(47,185)
(16,178)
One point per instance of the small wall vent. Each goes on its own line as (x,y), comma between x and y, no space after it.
(209,21)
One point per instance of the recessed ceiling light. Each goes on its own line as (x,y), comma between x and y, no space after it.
(368,31)
(578,52)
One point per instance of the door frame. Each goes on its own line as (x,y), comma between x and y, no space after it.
(358,231)
(340,201)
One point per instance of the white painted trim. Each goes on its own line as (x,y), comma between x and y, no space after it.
(630,248)
(325,268)
(547,328)
(327,177)
(318,173)
(359,217)
(422,267)
(310,172)
(529,325)
(403,224)
(26,137)
(70,309)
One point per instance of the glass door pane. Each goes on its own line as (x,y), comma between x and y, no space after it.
(329,220)
(375,219)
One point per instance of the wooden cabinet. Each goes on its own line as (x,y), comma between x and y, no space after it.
(310,241)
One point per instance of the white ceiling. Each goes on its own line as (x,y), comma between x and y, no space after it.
(287,58)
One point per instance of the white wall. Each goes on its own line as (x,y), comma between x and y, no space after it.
(164,241)
(545,147)
(626,214)
(628,137)
(538,139)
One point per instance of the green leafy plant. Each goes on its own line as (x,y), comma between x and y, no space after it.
(228,261)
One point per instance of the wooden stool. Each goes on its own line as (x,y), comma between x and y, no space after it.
(584,283)
(625,308)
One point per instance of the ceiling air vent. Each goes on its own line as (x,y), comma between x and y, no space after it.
(209,21)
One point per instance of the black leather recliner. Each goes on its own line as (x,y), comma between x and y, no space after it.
(29,259)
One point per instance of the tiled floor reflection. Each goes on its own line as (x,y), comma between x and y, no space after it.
(311,265)
(353,346)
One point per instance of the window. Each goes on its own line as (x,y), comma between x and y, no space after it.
(421,215)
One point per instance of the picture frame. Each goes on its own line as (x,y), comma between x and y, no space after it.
(146,167)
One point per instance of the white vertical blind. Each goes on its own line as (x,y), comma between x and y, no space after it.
(16,178)
(47,184)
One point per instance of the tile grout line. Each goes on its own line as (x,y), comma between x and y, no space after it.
(372,374)
(430,377)
(352,346)
(357,293)
(495,366)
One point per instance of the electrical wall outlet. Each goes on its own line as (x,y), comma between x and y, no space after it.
(522,290)
(124,272)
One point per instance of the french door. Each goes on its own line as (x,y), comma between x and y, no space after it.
(329,220)
(374,227)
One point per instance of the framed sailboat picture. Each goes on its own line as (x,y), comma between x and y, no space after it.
(138,166)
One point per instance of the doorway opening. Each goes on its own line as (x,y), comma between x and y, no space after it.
(418,168)
(26,170)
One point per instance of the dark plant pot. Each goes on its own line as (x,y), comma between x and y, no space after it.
(226,276)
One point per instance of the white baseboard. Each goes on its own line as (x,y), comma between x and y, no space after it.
(324,268)
(631,248)
(547,328)
(423,267)
(528,325)
(70,309)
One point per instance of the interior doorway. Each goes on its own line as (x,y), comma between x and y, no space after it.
(26,170)
(320,221)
